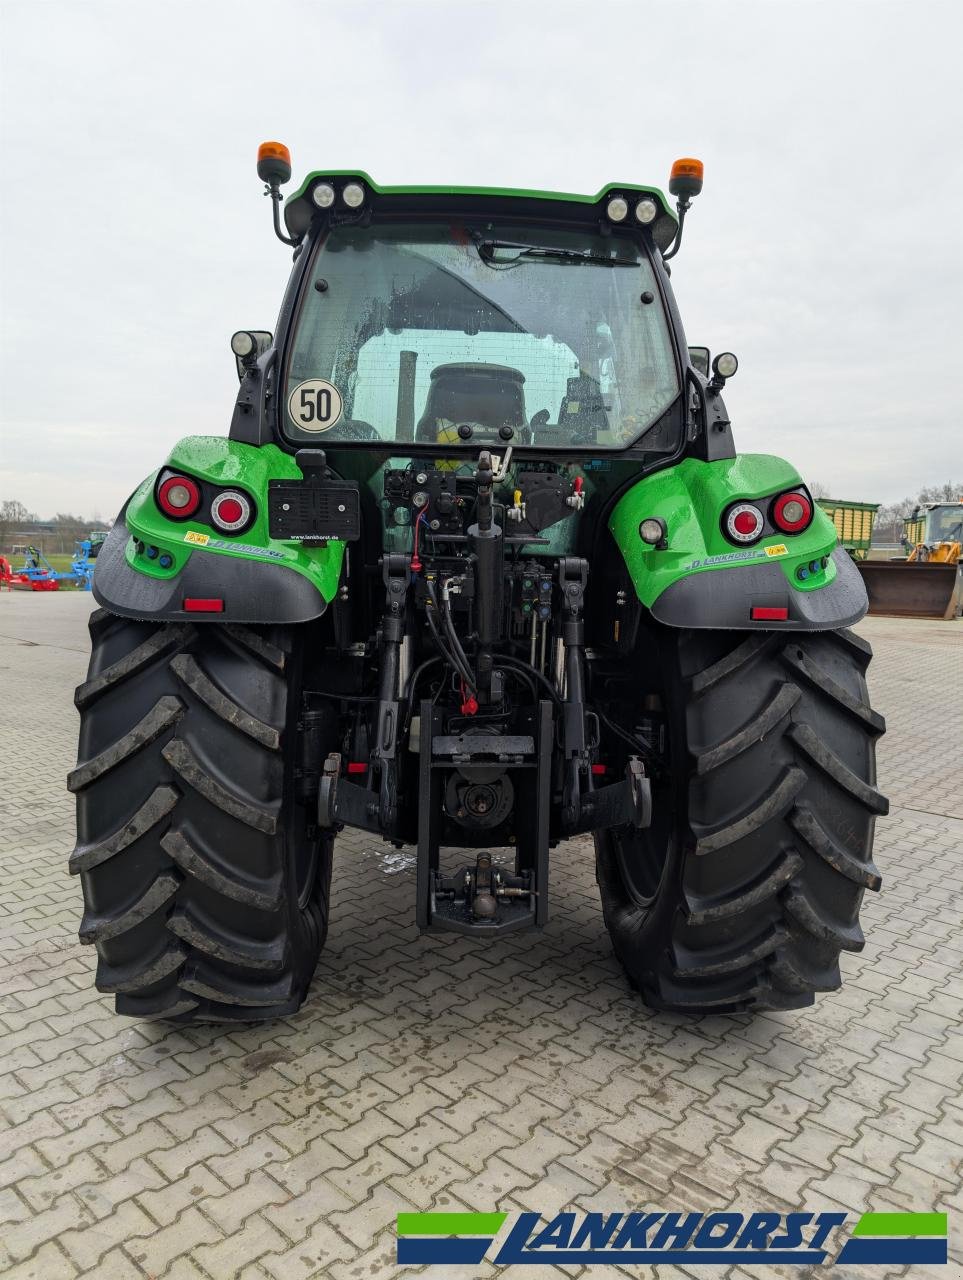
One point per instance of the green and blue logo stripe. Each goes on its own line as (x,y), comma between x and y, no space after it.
(721,1238)
(446,1237)
(897,1238)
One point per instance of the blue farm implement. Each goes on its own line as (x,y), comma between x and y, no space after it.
(38,574)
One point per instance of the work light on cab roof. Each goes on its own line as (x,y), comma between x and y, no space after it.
(341,196)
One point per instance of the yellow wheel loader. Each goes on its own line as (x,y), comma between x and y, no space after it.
(926,582)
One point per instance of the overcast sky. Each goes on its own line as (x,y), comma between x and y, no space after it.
(825,250)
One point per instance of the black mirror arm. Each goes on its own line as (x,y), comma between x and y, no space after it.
(271,189)
(682,206)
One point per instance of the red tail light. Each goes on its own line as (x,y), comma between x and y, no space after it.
(178,497)
(792,511)
(743,523)
(231,511)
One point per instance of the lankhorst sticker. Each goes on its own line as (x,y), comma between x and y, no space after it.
(239,548)
(315,405)
(740,557)
(723,1239)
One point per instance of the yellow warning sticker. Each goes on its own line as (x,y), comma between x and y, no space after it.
(202,539)
(779,549)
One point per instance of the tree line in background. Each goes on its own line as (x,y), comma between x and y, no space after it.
(19,526)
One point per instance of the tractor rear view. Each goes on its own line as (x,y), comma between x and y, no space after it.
(477,568)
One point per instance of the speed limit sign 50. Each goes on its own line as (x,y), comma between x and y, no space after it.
(315,405)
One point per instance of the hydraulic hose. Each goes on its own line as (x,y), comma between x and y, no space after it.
(446,653)
(452,634)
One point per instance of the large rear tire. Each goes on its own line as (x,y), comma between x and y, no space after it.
(205,884)
(760,871)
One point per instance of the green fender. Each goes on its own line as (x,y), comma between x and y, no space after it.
(700,579)
(258,578)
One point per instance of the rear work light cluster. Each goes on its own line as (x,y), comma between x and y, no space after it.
(181,498)
(745,522)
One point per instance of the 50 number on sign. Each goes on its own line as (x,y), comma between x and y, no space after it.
(315,405)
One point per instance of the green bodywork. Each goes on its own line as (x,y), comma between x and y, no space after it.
(690,498)
(226,463)
(297,207)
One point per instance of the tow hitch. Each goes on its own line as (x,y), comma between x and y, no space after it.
(483,898)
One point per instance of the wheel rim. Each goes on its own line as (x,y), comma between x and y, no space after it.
(642,857)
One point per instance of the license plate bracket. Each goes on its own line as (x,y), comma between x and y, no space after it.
(314,510)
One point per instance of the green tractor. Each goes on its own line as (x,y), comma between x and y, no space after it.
(478,568)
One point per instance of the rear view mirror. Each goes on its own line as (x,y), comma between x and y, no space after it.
(248,346)
(699,359)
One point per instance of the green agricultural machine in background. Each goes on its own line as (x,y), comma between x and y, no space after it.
(854,524)
(477,568)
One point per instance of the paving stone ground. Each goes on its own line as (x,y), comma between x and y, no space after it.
(434,1072)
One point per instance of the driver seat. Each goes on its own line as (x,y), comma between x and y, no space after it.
(489,396)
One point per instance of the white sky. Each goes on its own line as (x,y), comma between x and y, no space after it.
(825,250)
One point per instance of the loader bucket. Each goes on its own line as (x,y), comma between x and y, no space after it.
(901,589)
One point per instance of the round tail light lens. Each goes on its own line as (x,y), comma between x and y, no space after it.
(178,497)
(792,512)
(230,511)
(744,523)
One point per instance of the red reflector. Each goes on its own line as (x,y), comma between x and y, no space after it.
(196,604)
(357,766)
(759,613)
(745,522)
(599,768)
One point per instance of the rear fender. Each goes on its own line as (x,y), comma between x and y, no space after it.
(700,579)
(256,578)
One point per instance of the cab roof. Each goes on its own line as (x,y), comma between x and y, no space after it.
(552,206)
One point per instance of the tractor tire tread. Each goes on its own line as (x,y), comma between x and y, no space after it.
(112,979)
(157,805)
(777,801)
(271,655)
(810,671)
(784,801)
(826,759)
(165,713)
(186,667)
(154,647)
(265,894)
(187,766)
(752,731)
(193,898)
(749,651)
(102,928)
(810,829)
